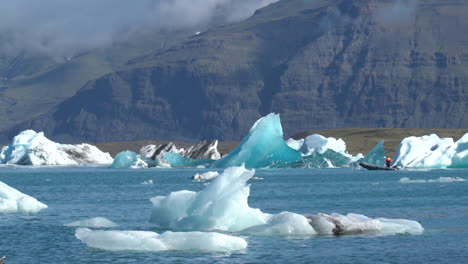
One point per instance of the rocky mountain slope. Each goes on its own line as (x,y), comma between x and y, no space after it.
(320,64)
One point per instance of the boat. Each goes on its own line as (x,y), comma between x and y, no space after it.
(376,167)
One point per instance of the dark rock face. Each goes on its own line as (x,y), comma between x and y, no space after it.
(320,64)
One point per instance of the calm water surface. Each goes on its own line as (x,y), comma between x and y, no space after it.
(78,193)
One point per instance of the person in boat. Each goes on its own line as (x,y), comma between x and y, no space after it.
(388,162)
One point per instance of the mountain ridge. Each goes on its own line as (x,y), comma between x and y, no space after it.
(320,64)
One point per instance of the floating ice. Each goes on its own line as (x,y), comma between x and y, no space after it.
(376,156)
(350,224)
(205,176)
(12,200)
(295,144)
(151,241)
(31,148)
(96,222)
(148,182)
(439,180)
(176,160)
(318,143)
(130,159)
(321,152)
(327,159)
(264,146)
(433,152)
(207,149)
(223,205)
(283,224)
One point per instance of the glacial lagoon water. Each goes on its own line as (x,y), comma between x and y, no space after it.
(122,196)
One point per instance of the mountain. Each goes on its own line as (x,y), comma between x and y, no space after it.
(32,84)
(320,64)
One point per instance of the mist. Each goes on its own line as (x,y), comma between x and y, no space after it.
(65,27)
(397,11)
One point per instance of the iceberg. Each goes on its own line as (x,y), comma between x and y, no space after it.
(114,240)
(129,159)
(264,146)
(318,143)
(207,149)
(31,148)
(223,205)
(12,200)
(168,155)
(96,222)
(350,224)
(432,152)
(376,156)
(327,159)
(320,152)
(176,160)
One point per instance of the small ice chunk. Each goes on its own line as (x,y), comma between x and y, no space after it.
(205,176)
(148,182)
(96,222)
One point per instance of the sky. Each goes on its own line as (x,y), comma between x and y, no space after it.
(70,26)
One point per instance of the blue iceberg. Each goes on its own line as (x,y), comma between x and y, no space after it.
(376,156)
(129,159)
(176,160)
(264,146)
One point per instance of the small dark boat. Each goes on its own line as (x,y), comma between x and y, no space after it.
(376,167)
(2,260)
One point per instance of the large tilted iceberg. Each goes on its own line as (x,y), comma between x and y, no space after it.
(264,146)
(223,205)
(12,200)
(115,240)
(432,152)
(31,148)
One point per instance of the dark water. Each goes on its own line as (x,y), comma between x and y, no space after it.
(78,193)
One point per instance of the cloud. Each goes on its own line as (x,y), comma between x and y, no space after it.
(397,11)
(69,26)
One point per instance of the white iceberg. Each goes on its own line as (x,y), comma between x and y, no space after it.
(432,152)
(96,222)
(320,152)
(223,205)
(114,240)
(320,144)
(31,148)
(12,200)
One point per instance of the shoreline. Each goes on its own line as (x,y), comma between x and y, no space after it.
(358,140)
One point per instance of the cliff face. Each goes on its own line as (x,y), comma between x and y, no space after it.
(320,64)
